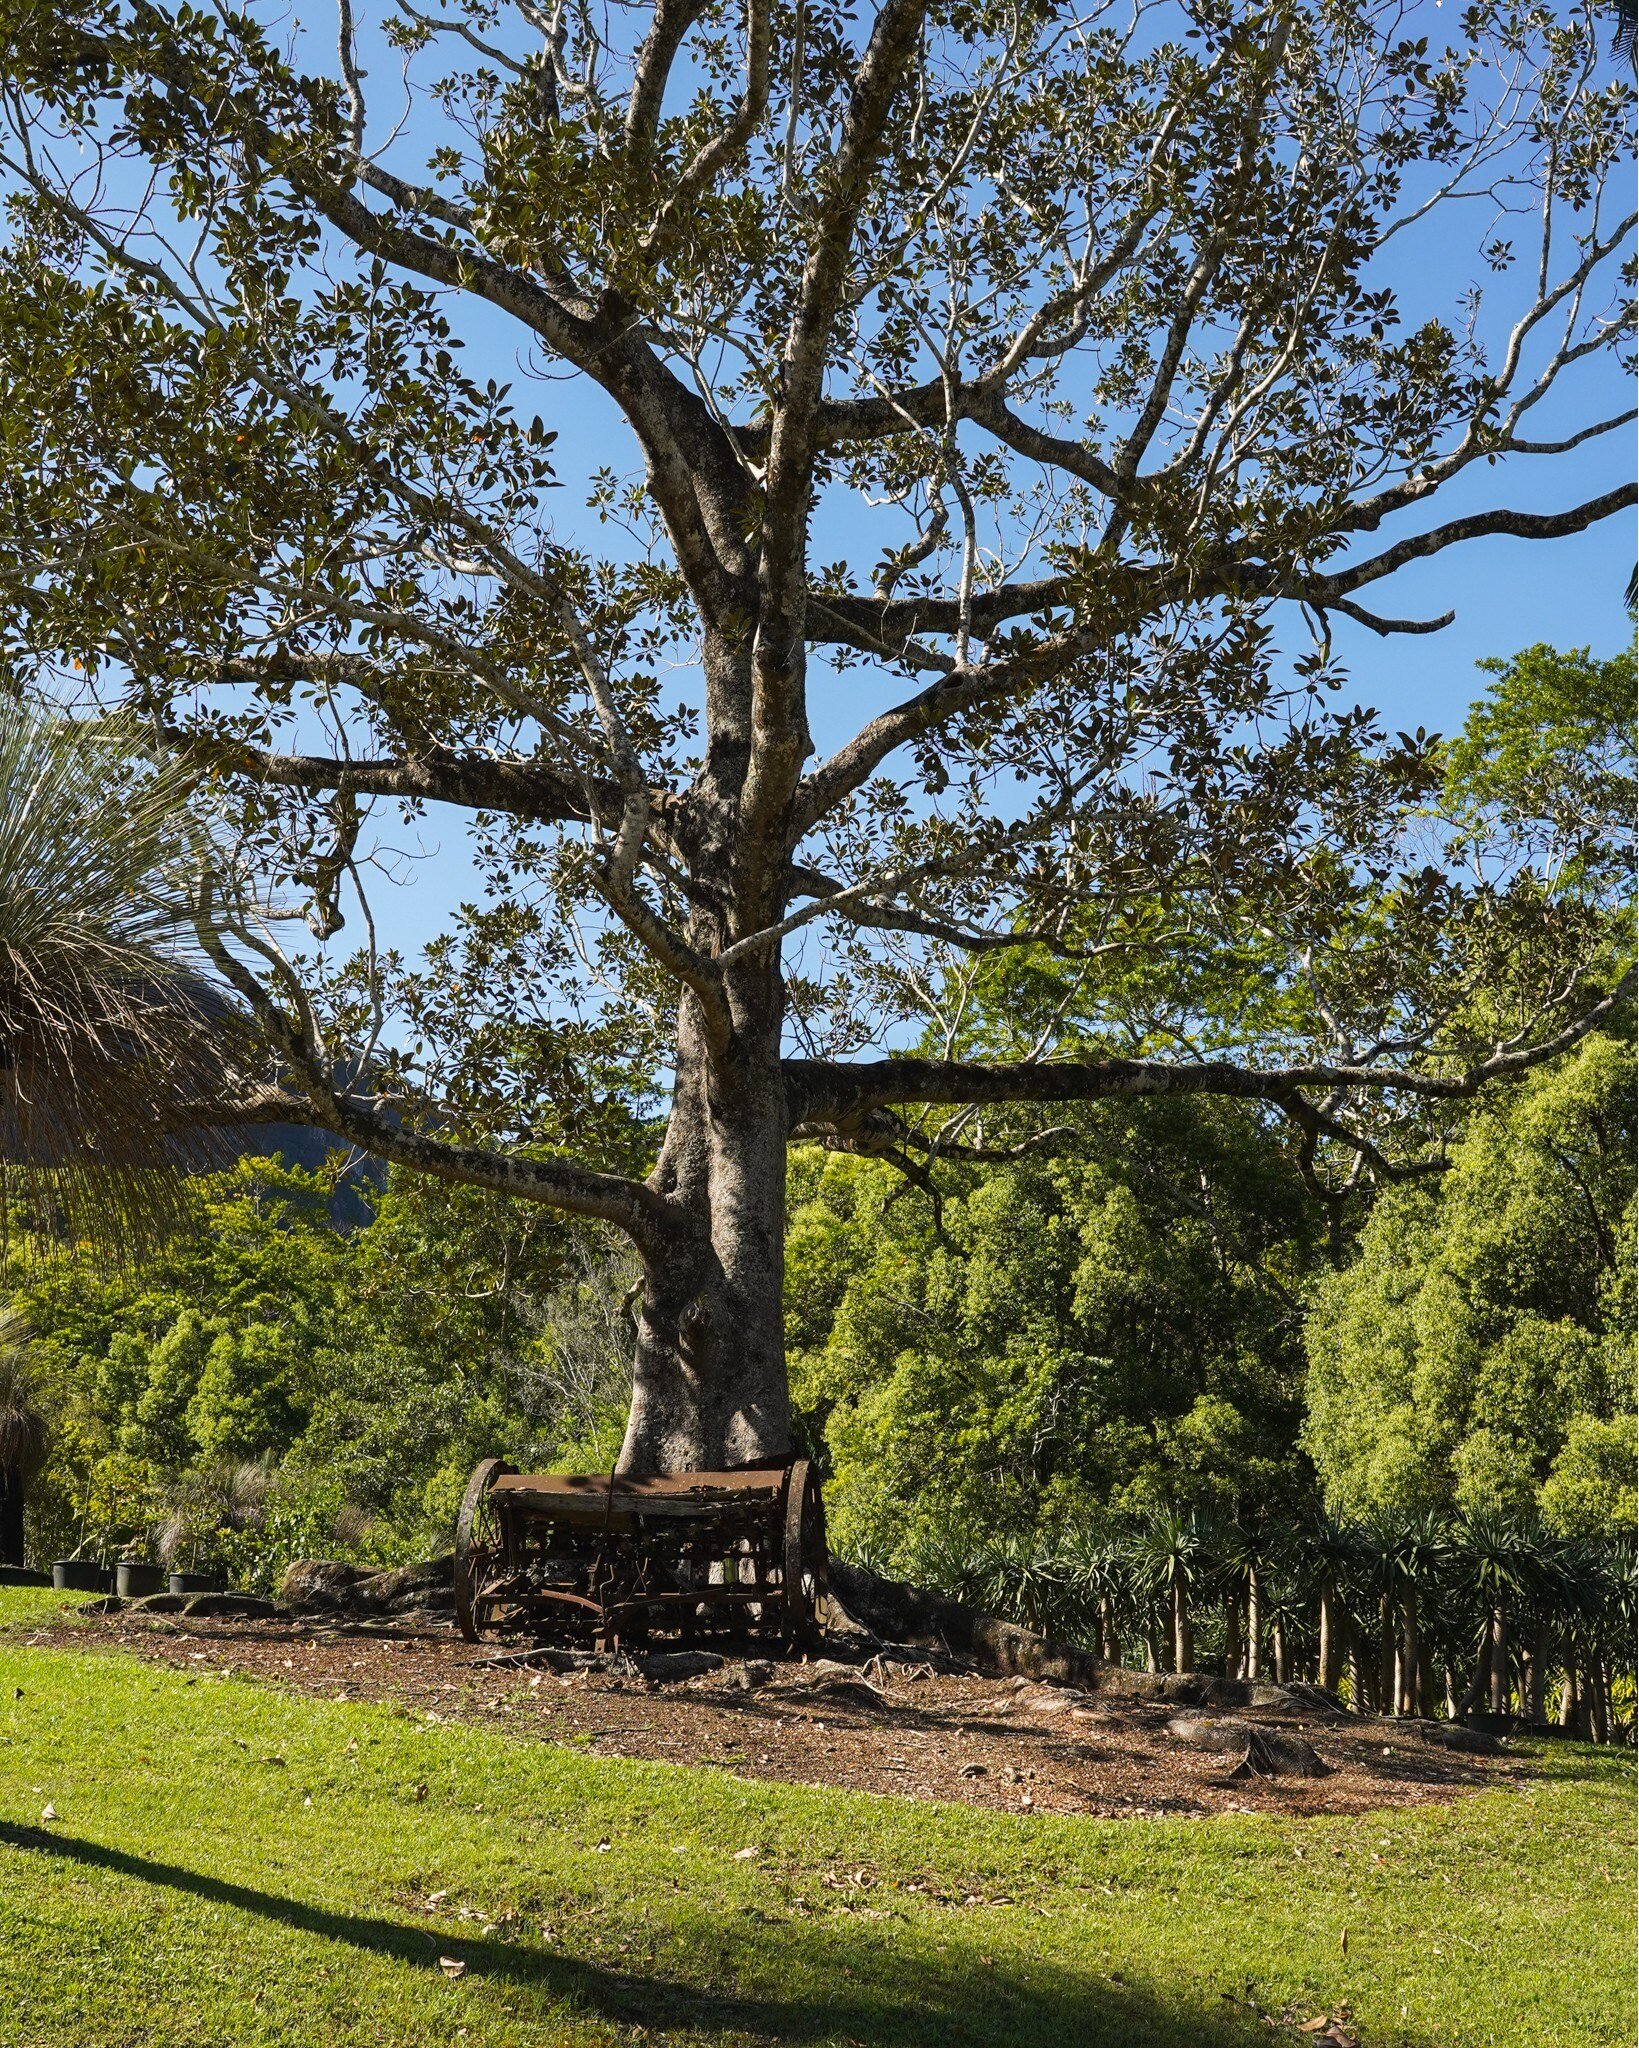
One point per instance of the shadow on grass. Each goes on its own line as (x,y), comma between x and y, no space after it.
(874,1992)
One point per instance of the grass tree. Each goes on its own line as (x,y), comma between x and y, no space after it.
(112,1046)
(971,398)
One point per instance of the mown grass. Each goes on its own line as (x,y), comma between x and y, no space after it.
(228,1864)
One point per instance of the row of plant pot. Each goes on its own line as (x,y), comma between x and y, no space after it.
(131,1579)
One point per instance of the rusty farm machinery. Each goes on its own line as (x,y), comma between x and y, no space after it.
(614,1561)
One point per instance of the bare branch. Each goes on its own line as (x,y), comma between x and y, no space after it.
(836,1091)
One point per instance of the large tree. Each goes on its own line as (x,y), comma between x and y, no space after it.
(983,385)
(1480,1351)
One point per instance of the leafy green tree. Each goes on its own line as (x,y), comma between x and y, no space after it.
(156,1427)
(1591,1489)
(1479,1354)
(1112,1329)
(1549,749)
(205,1349)
(245,1400)
(982,386)
(362,1372)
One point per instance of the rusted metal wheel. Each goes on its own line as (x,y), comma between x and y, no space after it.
(803,1563)
(478,1548)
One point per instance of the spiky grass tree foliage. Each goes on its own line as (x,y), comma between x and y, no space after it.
(228,1495)
(110,1042)
(23,1431)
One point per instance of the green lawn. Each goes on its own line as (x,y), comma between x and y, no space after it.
(229,1865)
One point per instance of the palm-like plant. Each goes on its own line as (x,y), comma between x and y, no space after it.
(23,1432)
(1326,1558)
(1597,1607)
(1497,1561)
(1096,1569)
(1177,1558)
(110,1040)
(1245,1553)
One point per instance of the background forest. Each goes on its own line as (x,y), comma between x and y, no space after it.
(1142,1318)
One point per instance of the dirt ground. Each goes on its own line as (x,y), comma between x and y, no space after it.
(912,1732)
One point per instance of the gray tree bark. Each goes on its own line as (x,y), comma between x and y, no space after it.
(709,1378)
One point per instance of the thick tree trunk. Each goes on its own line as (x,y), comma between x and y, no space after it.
(709,1376)
(1234,1648)
(1479,1684)
(1500,1684)
(1599,1712)
(1537,1676)
(1387,1643)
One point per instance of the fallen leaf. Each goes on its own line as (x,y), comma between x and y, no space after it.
(436,1898)
(49,1813)
(452,1966)
(421,1792)
(740,1855)
(1313,2026)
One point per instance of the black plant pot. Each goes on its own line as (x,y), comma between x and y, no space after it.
(136,1577)
(78,1575)
(194,1582)
(15,1575)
